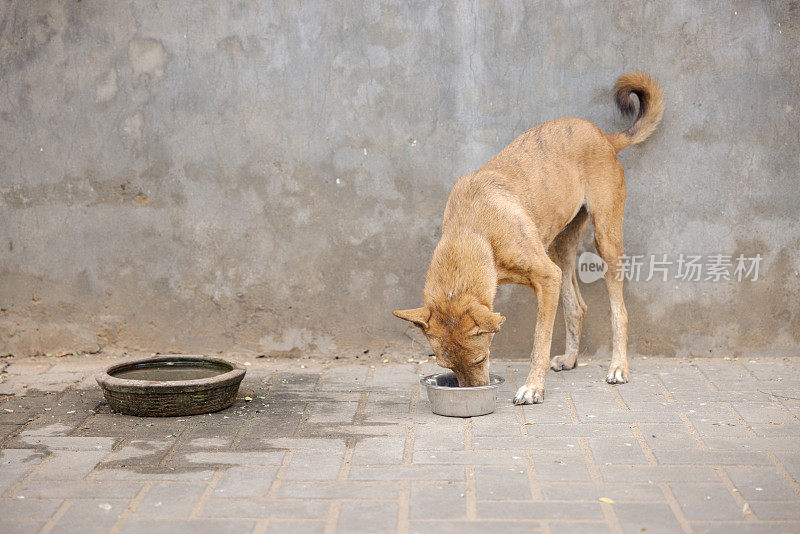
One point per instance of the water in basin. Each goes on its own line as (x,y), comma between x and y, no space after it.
(163,371)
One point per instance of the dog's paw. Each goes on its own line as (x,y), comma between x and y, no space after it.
(563,363)
(529,395)
(617,375)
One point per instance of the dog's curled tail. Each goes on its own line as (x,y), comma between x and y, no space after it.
(651,108)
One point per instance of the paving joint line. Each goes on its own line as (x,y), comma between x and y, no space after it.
(597,478)
(784,472)
(131,508)
(740,419)
(705,378)
(677,511)
(687,423)
(197,508)
(663,388)
(56,517)
(737,496)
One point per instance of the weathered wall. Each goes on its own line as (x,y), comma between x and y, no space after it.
(243,175)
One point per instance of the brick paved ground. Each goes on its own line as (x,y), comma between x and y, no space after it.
(344,446)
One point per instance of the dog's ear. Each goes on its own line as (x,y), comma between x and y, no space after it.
(418,316)
(488,321)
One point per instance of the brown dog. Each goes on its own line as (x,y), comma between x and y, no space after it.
(519,220)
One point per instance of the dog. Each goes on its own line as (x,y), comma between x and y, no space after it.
(519,220)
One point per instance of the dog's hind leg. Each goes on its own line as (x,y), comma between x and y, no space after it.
(607,221)
(562,252)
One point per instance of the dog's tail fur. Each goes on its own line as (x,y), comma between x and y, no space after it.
(651,108)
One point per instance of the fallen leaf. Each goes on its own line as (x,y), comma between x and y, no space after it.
(248,399)
(526,424)
(605,500)
(746,509)
(385,360)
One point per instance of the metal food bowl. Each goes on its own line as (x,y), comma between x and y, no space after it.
(171,385)
(450,400)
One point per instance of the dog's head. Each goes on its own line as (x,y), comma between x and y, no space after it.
(460,332)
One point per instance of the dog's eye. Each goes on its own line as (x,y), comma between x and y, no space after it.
(481,360)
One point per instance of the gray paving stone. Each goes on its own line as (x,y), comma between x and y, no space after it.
(196,526)
(367,517)
(791,462)
(524,443)
(69,465)
(500,423)
(256,508)
(746,527)
(718,427)
(287,527)
(762,484)
(305,444)
(245,482)
(333,412)
(706,501)
(427,439)
(67,443)
(475,527)
(652,518)
(388,409)
(28,508)
(762,413)
(505,510)
(21,527)
(556,411)
(339,490)
(769,430)
(500,483)
(375,451)
(579,430)
(141,452)
(49,429)
(666,437)
(408,472)
(560,467)
(232,458)
(170,499)
(84,489)
(12,474)
(593,492)
(180,473)
(345,378)
(394,375)
(778,445)
(6,430)
(90,517)
(469,457)
(657,473)
(213,443)
(699,457)
(314,466)
(617,451)
(586,527)
(776,510)
(438,501)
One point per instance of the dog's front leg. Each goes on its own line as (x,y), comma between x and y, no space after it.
(546,285)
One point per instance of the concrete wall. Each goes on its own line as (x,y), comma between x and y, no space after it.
(271,176)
